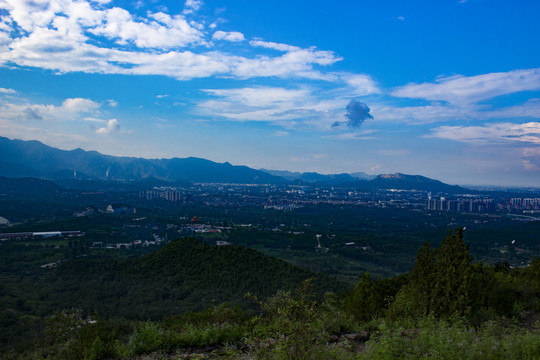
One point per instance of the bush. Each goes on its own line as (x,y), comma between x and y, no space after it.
(452,339)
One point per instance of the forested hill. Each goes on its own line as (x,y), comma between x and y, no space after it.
(185,275)
(28,187)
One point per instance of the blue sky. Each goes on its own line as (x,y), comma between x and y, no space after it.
(445,89)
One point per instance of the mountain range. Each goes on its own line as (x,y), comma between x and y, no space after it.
(35,159)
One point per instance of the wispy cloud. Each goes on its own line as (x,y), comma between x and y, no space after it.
(274,46)
(393,152)
(298,108)
(531,159)
(70,109)
(73,122)
(491,133)
(359,84)
(192,6)
(7,91)
(441,112)
(358,135)
(463,90)
(233,36)
(261,96)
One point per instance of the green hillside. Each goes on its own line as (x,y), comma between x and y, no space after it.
(184,275)
(446,307)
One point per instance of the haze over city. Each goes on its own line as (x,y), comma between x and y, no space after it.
(447,89)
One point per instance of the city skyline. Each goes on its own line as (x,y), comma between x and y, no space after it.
(449,90)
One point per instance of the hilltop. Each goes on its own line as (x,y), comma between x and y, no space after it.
(184,275)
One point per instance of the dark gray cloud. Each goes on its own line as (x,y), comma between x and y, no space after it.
(357,113)
(31,114)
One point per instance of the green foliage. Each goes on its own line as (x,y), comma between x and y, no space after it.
(414,299)
(531,275)
(147,337)
(453,277)
(295,327)
(68,335)
(443,282)
(220,325)
(451,339)
(362,302)
(191,275)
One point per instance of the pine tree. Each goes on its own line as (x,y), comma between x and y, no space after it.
(453,276)
(362,302)
(414,299)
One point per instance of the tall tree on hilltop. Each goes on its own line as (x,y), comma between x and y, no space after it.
(453,276)
(362,301)
(414,299)
(440,283)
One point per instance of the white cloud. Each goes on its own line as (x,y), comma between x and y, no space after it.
(273,45)
(420,114)
(393,152)
(530,109)
(233,36)
(70,123)
(159,30)
(71,109)
(280,133)
(192,6)
(95,120)
(112,126)
(491,133)
(7,91)
(360,83)
(320,156)
(462,90)
(531,159)
(298,63)
(288,108)
(261,96)
(359,135)
(79,33)
(440,112)
(78,105)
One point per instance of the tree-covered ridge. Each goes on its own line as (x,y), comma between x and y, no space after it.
(233,269)
(445,307)
(185,275)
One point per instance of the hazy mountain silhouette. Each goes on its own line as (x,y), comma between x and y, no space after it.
(35,159)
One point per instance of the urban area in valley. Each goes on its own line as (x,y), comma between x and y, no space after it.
(368,230)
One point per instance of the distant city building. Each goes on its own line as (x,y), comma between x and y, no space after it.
(42,234)
(157,194)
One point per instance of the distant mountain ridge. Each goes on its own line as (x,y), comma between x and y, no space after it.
(408,182)
(313,177)
(35,159)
